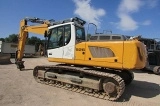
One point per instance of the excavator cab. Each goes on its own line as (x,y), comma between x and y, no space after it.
(62,39)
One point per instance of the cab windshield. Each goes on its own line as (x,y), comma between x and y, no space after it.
(60,36)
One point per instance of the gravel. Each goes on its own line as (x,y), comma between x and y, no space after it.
(18,88)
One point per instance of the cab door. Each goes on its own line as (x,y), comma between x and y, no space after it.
(55,42)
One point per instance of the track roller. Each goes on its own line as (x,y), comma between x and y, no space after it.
(112,88)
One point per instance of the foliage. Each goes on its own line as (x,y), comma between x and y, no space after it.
(13,38)
(33,40)
(2,39)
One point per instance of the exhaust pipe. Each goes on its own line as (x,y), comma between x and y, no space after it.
(5,59)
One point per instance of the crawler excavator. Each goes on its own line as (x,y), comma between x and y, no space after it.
(98,69)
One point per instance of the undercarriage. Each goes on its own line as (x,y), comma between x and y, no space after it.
(101,83)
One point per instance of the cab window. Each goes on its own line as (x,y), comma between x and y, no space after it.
(59,36)
(67,33)
(80,34)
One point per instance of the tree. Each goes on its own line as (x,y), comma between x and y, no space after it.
(2,39)
(13,38)
(33,40)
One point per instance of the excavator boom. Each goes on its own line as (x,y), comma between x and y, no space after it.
(40,29)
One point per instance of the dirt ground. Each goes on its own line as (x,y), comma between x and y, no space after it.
(18,88)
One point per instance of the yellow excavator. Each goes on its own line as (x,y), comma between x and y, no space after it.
(99,69)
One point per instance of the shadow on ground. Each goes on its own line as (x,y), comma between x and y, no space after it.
(140,89)
(5,63)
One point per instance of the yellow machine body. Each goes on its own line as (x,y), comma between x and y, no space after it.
(112,54)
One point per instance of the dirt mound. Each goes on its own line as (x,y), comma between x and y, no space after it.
(5,59)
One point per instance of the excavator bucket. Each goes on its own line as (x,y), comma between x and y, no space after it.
(5,59)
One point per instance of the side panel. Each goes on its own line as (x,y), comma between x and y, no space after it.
(80,51)
(105,51)
(55,53)
(134,55)
(103,54)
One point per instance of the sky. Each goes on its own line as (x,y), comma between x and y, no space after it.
(127,17)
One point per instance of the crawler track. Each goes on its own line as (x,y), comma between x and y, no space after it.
(119,82)
(126,75)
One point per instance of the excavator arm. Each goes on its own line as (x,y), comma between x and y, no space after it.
(40,28)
